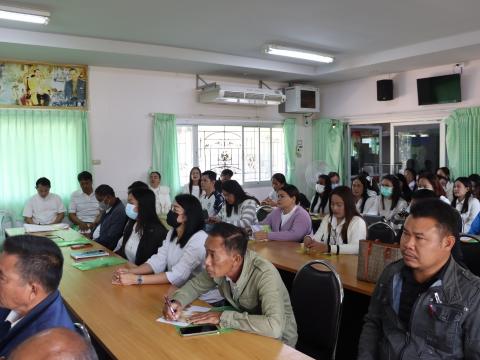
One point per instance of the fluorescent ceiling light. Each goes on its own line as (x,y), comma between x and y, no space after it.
(298,53)
(25,15)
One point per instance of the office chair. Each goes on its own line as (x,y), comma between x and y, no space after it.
(372,219)
(263,211)
(6,220)
(470,253)
(381,231)
(317,298)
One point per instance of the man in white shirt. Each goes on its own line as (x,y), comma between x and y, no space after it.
(45,208)
(211,200)
(83,208)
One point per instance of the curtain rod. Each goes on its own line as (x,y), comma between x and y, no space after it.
(210,116)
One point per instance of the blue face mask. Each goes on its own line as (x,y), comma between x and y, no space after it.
(386,191)
(131,213)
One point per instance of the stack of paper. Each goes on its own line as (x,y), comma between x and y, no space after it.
(31,228)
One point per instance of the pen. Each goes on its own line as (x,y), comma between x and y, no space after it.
(167,301)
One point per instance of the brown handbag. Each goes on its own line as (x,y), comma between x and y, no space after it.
(373,257)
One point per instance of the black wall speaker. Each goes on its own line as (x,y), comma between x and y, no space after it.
(384,90)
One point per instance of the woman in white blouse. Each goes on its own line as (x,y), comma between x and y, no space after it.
(323,189)
(443,174)
(390,202)
(239,208)
(364,202)
(341,231)
(464,201)
(181,255)
(162,193)
(431,182)
(143,233)
(193,186)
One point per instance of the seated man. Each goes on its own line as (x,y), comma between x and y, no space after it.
(55,344)
(247,281)
(44,208)
(425,304)
(225,175)
(112,221)
(211,199)
(83,208)
(30,272)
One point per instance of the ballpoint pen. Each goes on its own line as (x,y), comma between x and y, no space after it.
(168,302)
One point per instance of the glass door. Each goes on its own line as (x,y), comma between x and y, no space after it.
(416,146)
(364,150)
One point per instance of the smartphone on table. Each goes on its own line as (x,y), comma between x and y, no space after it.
(199,330)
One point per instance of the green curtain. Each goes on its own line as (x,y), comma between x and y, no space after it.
(328,144)
(164,151)
(36,143)
(463,142)
(290,140)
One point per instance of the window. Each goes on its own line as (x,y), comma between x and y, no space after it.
(252,153)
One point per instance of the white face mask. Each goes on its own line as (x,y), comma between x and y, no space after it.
(335,185)
(420,188)
(319,188)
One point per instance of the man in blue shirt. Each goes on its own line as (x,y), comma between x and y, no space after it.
(30,272)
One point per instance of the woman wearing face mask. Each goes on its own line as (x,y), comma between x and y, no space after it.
(181,255)
(430,182)
(143,233)
(390,203)
(341,231)
(365,202)
(443,174)
(289,221)
(278,182)
(162,193)
(239,208)
(323,188)
(193,186)
(334,179)
(465,202)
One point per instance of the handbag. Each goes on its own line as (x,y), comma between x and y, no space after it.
(373,257)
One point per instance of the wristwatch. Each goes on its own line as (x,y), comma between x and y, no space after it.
(139,279)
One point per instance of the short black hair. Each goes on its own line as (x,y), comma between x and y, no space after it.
(226,172)
(292,191)
(137,185)
(424,194)
(156,172)
(439,211)
(280,178)
(39,259)
(234,238)
(104,190)
(44,182)
(84,175)
(212,175)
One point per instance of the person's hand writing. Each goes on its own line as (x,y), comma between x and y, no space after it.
(210,317)
(172,310)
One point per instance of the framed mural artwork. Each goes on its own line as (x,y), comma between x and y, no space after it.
(30,84)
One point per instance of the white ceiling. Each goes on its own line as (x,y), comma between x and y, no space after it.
(225,37)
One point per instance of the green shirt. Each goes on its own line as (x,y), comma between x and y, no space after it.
(260,298)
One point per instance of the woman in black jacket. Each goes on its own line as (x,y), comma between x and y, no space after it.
(143,233)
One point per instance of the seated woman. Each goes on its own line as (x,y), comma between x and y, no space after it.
(239,208)
(389,202)
(323,189)
(181,255)
(443,174)
(406,192)
(193,186)
(364,202)
(162,193)
(431,182)
(143,233)
(341,231)
(464,201)
(278,182)
(288,221)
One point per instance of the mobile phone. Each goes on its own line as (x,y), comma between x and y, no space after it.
(80,246)
(88,254)
(199,330)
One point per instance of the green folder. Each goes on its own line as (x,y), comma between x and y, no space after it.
(99,263)
(65,243)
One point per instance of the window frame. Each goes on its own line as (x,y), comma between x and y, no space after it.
(243,124)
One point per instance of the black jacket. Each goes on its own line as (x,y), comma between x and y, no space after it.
(112,224)
(152,238)
(444,321)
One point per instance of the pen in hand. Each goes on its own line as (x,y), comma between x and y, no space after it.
(168,303)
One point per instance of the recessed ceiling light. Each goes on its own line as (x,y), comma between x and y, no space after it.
(24,15)
(298,53)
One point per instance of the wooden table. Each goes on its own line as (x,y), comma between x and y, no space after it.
(285,255)
(122,318)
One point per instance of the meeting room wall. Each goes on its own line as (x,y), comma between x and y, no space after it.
(357,99)
(121,127)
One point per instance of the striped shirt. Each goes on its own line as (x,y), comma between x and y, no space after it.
(245,217)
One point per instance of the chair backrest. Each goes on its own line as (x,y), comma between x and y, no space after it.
(6,220)
(372,219)
(471,253)
(82,330)
(263,211)
(381,231)
(317,298)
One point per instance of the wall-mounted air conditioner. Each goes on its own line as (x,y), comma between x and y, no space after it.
(224,94)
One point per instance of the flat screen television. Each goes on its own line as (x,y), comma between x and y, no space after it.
(439,90)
